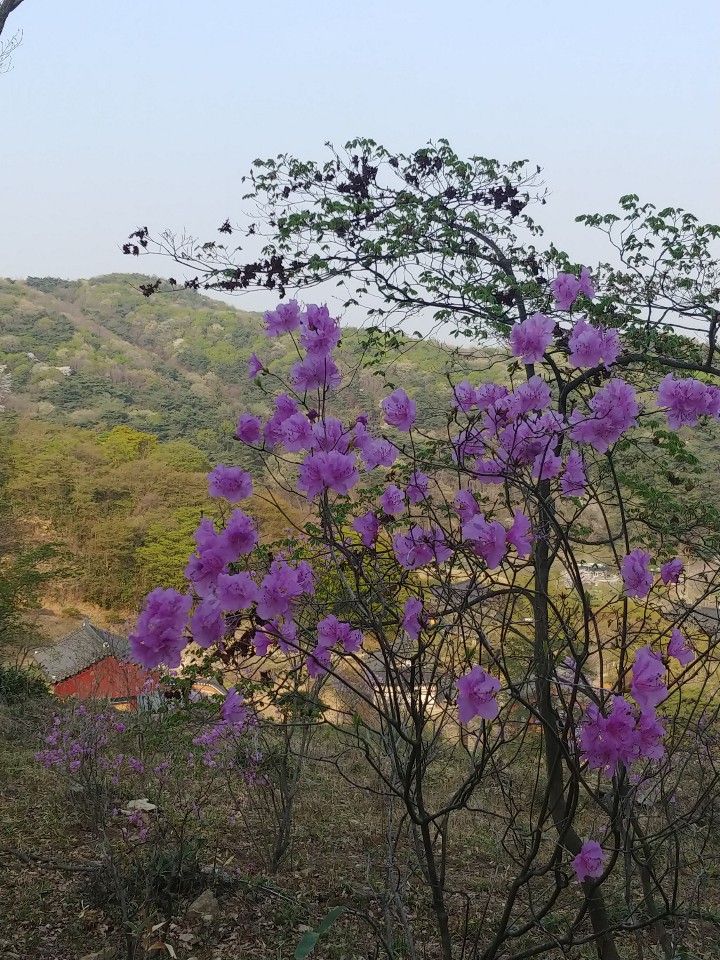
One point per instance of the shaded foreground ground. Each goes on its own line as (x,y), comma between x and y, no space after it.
(337,857)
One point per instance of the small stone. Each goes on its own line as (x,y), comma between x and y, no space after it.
(107,953)
(142,804)
(206,905)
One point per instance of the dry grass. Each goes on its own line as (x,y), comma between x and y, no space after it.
(338,856)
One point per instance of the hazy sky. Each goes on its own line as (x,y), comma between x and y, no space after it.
(149,111)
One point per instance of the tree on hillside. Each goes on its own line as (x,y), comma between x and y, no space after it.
(585,451)
(7,47)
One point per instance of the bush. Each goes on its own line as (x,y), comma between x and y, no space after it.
(18,685)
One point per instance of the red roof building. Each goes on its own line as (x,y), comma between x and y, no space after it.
(94,664)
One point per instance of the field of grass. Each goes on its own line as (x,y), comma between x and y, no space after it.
(56,904)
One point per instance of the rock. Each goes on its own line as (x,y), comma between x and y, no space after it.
(107,953)
(142,804)
(206,906)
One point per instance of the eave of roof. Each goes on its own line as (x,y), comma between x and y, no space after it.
(79,650)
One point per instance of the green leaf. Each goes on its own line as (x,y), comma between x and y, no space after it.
(310,939)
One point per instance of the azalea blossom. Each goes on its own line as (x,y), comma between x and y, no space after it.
(520,534)
(477,695)
(686,400)
(487,539)
(590,346)
(413,616)
(368,527)
(635,570)
(399,409)
(530,339)
(207,625)
(647,687)
(232,483)
(283,319)
(573,481)
(159,636)
(588,864)
(248,429)
(678,649)
(670,571)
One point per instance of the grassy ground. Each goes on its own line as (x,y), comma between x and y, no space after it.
(338,856)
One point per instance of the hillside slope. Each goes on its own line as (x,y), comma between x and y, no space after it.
(97,354)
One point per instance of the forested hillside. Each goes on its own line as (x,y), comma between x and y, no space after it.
(97,354)
(116,405)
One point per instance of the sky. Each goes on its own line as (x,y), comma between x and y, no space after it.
(149,112)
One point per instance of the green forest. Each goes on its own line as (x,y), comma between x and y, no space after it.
(115,407)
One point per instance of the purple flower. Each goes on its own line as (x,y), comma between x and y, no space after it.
(606,740)
(159,634)
(420,546)
(329,631)
(278,590)
(487,539)
(318,662)
(399,410)
(531,338)
(287,636)
(678,650)
(207,625)
(393,501)
(285,407)
(233,709)
(368,527)
(566,288)
(330,434)
(239,536)
(284,319)
(297,433)
(305,577)
(205,535)
(586,285)
(573,481)
(635,570)
(649,735)
(488,394)
(520,534)
(232,483)
(375,453)
(467,443)
(413,618)
(255,366)
(647,687)
(262,640)
(686,400)
(670,571)
(418,487)
(333,470)
(203,570)
(465,505)
(320,332)
(590,345)
(248,429)
(477,692)
(316,372)
(236,591)
(532,395)
(332,631)
(614,409)
(589,862)
(463,397)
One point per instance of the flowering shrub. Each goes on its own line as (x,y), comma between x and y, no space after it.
(154,791)
(446,618)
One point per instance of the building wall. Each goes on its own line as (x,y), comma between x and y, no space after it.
(108,678)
